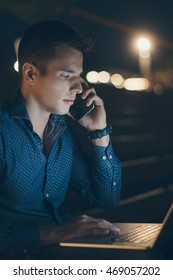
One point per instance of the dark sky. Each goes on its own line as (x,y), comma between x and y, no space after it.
(152,15)
(119,23)
(113,24)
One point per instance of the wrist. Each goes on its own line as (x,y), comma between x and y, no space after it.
(102,142)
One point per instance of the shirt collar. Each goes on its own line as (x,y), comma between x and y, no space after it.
(16,106)
(60,119)
(17,109)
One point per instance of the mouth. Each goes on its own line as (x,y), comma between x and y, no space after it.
(69,102)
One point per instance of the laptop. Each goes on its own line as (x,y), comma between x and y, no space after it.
(137,236)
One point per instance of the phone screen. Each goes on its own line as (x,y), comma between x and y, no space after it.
(79,109)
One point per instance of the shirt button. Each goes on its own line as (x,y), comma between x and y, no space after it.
(47,195)
(104,157)
(114,183)
(110,156)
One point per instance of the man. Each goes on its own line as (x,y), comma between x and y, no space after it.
(40,156)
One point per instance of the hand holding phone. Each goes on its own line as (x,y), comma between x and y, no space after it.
(79,109)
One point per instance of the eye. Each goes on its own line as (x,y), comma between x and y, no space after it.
(65,75)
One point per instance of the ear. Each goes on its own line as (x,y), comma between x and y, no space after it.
(30,73)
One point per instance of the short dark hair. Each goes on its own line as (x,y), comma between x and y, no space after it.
(41,40)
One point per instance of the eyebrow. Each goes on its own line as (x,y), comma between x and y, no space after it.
(71,71)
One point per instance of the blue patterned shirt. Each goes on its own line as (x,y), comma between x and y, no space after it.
(34,182)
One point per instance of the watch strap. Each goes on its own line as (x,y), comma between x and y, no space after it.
(99,133)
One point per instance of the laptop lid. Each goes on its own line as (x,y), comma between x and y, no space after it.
(166,232)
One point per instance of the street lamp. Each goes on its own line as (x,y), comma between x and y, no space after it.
(144,45)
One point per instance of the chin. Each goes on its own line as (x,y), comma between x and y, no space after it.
(61,112)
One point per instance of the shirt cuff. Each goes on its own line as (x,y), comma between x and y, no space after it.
(103,154)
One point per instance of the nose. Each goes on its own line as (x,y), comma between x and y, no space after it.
(76,86)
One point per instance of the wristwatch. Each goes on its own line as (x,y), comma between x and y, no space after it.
(99,133)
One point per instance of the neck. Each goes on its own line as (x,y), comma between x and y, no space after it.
(39,124)
(38,120)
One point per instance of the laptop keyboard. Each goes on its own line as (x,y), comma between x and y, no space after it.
(139,234)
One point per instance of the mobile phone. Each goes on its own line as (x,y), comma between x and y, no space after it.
(79,109)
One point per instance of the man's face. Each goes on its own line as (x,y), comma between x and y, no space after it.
(56,91)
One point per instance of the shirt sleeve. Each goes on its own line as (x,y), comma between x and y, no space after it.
(18,240)
(98,178)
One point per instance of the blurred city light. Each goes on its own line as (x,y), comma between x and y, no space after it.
(144,46)
(92,77)
(158,89)
(104,77)
(16,45)
(117,80)
(136,84)
(16,66)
